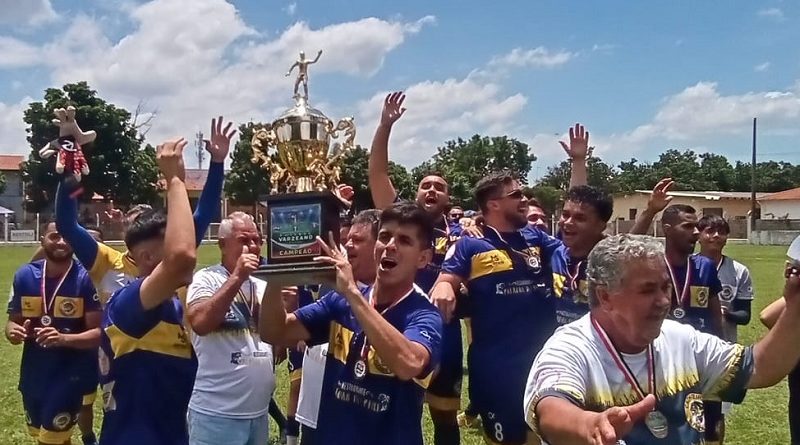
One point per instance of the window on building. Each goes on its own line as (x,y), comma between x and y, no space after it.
(712,211)
(632,214)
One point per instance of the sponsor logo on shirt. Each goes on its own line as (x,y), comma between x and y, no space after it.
(516,287)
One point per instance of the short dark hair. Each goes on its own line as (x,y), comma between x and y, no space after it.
(601,202)
(150,224)
(714,222)
(371,217)
(672,213)
(436,173)
(490,186)
(410,213)
(49,221)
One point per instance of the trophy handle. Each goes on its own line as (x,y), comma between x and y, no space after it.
(348,127)
(263,138)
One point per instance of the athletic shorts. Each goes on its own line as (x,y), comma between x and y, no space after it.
(52,414)
(712,412)
(295,364)
(90,385)
(444,390)
(496,393)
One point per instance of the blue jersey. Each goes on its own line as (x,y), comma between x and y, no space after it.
(443,237)
(363,402)
(66,309)
(570,286)
(704,285)
(147,370)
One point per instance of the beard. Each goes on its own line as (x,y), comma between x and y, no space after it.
(58,256)
(516,219)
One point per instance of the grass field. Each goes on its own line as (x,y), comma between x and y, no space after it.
(760,419)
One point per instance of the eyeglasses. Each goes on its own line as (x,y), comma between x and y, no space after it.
(456,215)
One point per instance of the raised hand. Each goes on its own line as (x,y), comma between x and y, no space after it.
(16,334)
(246,264)
(392,108)
(220,142)
(345,193)
(170,159)
(791,290)
(659,200)
(335,257)
(578,147)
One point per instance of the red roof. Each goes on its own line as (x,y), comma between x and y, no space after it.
(11,162)
(195,180)
(786,195)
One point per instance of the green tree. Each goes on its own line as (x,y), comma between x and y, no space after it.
(116,158)
(354,173)
(717,171)
(548,196)
(684,169)
(245,182)
(599,174)
(465,162)
(633,175)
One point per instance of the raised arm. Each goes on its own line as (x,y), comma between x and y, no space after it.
(209,204)
(82,242)
(380,185)
(777,353)
(316,59)
(659,200)
(769,316)
(180,250)
(578,154)
(275,326)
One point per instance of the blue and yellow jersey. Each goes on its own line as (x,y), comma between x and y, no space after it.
(111,271)
(147,370)
(363,402)
(443,237)
(570,286)
(704,285)
(67,309)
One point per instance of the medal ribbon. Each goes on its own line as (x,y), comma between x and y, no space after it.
(573,278)
(680,301)
(623,367)
(719,265)
(251,302)
(46,306)
(372,302)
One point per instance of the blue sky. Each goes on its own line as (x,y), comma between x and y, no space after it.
(642,76)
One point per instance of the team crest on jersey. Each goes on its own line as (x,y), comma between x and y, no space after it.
(68,308)
(727,293)
(699,296)
(62,421)
(693,408)
(533,259)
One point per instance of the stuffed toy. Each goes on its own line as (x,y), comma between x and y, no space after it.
(67,148)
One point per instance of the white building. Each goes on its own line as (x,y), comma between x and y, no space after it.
(781,205)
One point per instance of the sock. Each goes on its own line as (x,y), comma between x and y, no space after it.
(292,427)
(446,435)
(277,415)
(89,439)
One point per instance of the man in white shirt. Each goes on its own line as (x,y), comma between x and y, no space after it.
(235,378)
(624,374)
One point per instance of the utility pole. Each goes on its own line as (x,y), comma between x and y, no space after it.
(753,180)
(201,153)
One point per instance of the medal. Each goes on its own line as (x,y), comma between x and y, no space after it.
(655,420)
(360,369)
(657,423)
(533,262)
(680,299)
(47,306)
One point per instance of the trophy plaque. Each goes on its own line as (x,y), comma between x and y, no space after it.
(304,171)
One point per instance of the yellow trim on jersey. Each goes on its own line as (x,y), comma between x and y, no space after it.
(559,281)
(111,270)
(489,262)
(31,306)
(734,366)
(700,296)
(296,375)
(443,403)
(54,437)
(340,338)
(88,399)
(68,307)
(441,244)
(165,338)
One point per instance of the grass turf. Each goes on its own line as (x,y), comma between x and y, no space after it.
(760,419)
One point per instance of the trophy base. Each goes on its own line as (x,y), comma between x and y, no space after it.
(297,274)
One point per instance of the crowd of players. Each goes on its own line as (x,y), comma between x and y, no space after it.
(566,340)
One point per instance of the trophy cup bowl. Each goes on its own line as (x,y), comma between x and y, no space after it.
(304,171)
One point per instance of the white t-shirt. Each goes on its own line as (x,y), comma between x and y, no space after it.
(235,377)
(736,285)
(311,385)
(690,366)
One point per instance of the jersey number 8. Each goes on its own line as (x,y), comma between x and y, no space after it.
(498,431)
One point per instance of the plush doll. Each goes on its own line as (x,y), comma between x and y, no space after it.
(67,148)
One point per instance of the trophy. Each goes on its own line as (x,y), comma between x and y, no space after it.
(304,170)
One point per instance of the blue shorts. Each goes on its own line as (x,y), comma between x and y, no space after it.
(52,413)
(212,430)
(496,392)
(444,390)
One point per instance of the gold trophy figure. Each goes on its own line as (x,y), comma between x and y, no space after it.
(303,171)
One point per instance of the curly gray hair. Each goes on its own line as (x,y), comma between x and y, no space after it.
(609,258)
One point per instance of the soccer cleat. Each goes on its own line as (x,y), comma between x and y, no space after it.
(466,421)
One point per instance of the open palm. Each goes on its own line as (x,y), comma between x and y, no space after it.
(219,144)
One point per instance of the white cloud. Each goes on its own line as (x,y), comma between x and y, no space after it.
(26,12)
(291,8)
(604,47)
(15,53)
(539,57)
(761,67)
(12,128)
(772,13)
(439,111)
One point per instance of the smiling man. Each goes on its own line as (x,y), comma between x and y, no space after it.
(625,374)
(385,340)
